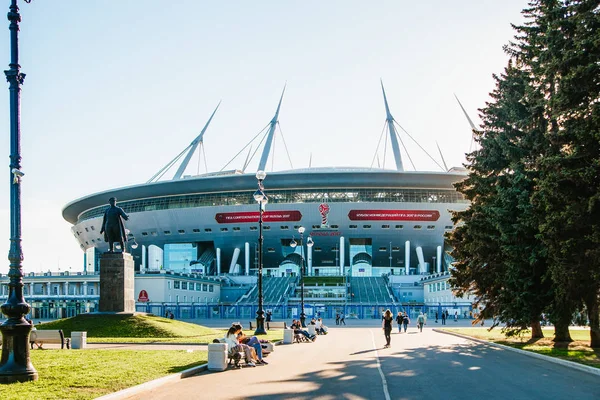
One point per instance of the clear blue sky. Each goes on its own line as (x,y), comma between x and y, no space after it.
(114,90)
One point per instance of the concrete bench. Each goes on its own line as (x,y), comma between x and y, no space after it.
(232,355)
(39,337)
(270,325)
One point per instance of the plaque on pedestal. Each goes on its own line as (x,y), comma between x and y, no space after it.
(116,283)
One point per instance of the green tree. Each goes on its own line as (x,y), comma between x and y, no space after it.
(500,257)
(569,184)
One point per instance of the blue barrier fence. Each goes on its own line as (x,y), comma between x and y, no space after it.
(290,311)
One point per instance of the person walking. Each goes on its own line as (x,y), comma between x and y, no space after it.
(455,316)
(421,321)
(337,318)
(387,327)
(405,321)
(436,317)
(443,318)
(343,319)
(399,320)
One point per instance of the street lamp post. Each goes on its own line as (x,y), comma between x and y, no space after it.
(309,243)
(15,364)
(262,199)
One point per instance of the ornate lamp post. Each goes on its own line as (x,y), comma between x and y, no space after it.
(262,199)
(293,244)
(15,365)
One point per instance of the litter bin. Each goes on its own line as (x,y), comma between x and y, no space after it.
(217,356)
(78,340)
(288,336)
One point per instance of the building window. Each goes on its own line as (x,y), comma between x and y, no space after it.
(91,291)
(385,226)
(353,226)
(207,230)
(316,226)
(211,288)
(198,287)
(55,291)
(267,227)
(448,227)
(318,249)
(367,226)
(204,287)
(144,233)
(196,230)
(383,249)
(167,232)
(181,231)
(399,226)
(177,284)
(236,228)
(417,227)
(253,228)
(184,285)
(334,226)
(185,299)
(430,227)
(284,227)
(224,229)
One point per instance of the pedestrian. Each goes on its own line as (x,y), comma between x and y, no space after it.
(405,321)
(443,318)
(343,319)
(387,327)
(420,321)
(337,318)
(436,317)
(399,320)
(455,316)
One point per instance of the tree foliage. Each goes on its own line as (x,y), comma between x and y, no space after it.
(530,241)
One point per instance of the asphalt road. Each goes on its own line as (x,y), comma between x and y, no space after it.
(352,364)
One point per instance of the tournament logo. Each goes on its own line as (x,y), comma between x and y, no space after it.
(324,210)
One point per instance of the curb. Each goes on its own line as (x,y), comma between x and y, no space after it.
(564,363)
(147,386)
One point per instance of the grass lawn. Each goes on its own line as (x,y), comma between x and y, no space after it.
(577,351)
(141,329)
(88,374)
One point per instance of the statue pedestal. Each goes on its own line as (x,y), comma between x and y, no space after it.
(116,283)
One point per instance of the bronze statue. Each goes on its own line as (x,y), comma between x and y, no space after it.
(113,227)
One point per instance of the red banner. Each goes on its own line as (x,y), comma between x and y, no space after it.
(143,297)
(394,215)
(252,216)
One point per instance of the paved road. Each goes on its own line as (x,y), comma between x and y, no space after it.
(352,364)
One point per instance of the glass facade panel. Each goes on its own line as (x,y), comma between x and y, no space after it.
(177,256)
(285,196)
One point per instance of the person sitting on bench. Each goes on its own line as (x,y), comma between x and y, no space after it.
(231,339)
(297,327)
(253,342)
(320,328)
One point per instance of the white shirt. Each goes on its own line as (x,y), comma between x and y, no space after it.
(318,324)
(231,340)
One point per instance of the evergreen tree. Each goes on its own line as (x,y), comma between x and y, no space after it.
(569,185)
(500,258)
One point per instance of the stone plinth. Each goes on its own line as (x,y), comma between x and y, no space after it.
(116,283)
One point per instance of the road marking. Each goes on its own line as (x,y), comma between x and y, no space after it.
(383,380)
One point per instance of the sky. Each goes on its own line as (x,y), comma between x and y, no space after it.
(115,90)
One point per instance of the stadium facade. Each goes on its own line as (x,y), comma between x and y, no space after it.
(363,221)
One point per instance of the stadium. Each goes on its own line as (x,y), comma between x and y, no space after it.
(371,230)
